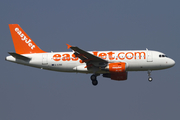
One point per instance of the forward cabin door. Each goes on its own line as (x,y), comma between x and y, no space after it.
(44,59)
(149,56)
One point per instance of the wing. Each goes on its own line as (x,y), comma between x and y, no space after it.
(86,56)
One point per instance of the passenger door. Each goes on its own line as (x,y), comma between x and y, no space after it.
(44,59)
(149,56)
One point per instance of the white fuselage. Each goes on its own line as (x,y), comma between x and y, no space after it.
(136,60)
(111,64)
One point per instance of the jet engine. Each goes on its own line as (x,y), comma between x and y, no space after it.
(117,71)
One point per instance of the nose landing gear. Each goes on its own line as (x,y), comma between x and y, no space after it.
(149,75)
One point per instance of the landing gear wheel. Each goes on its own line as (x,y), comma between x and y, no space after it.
(150,79)
(93,77)
(94,82)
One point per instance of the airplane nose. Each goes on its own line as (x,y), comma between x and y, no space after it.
(171,62)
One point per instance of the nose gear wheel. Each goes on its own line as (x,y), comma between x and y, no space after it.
(149,75)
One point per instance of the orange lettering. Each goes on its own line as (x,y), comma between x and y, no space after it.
(110,55)
(103,55)
(80,61)
(120,54)
(140,54)
(128,57)
(95,53)
(74,58)
(66,57)
(57,57)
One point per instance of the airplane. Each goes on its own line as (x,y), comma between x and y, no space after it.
(111,64)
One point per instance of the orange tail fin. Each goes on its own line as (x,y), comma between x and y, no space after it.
(22,42)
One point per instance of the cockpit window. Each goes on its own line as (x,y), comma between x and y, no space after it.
(162,55)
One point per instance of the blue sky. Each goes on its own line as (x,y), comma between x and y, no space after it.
(31,93)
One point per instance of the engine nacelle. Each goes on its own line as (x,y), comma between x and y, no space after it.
(117,71)
(116,67)
(116,76)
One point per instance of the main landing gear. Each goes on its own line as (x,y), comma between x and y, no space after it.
(94,79)
(149,75)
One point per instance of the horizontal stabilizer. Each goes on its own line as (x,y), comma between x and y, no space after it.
(18,56)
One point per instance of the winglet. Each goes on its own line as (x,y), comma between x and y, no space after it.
(68,46)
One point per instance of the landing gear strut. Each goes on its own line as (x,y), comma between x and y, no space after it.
(149,75)
(94,80)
